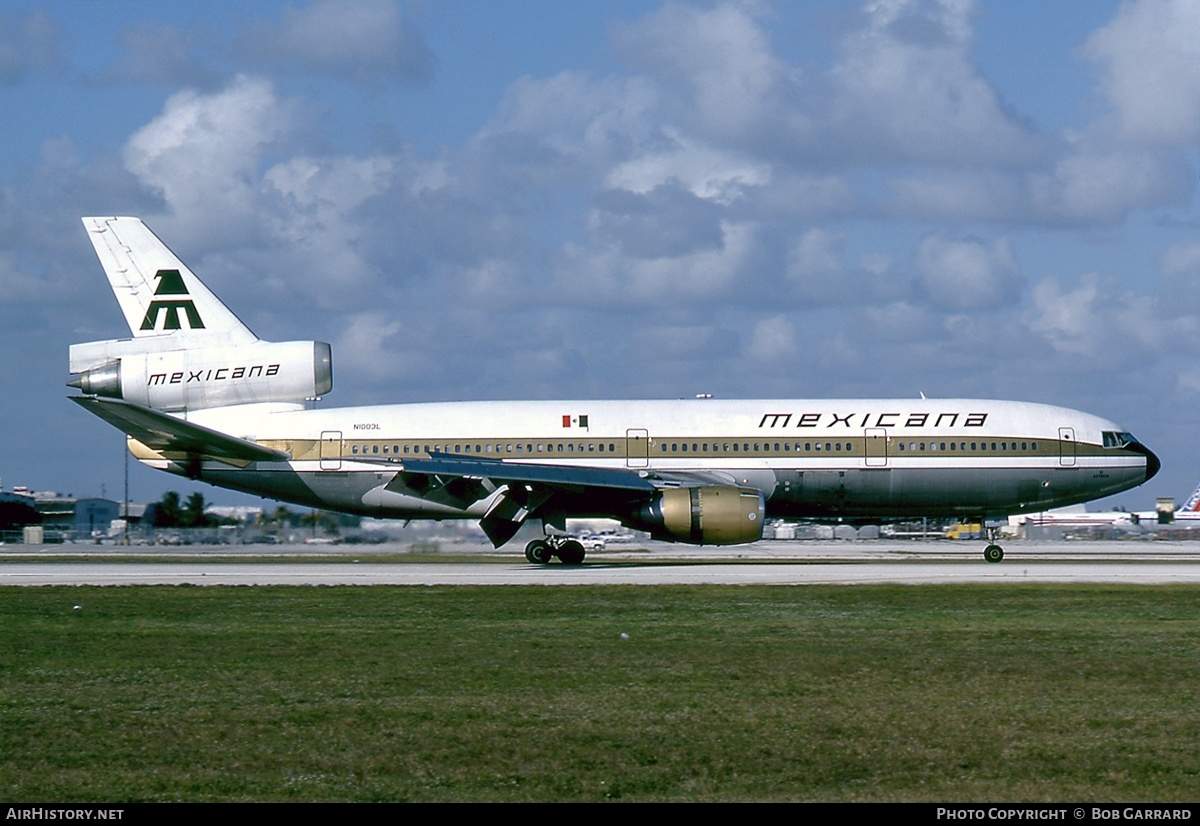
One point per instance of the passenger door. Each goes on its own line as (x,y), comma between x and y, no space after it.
(1066,447)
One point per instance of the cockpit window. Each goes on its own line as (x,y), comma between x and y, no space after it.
(1114,439)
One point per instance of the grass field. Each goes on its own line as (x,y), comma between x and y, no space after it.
(874,693)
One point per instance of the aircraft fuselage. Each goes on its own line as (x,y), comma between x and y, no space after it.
(826,459)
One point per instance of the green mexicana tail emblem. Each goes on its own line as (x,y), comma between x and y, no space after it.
(170,283)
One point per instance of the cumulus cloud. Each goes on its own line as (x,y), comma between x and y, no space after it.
(683,343)
(718,60)
(314,222)
(709,173)
(1149,56)
(1081,187)
(366,41)
(1179,267)
(1103,186)
(1181,260)
(365,349)
(289,226)
(817,270)
(571,124)
(772,339)
(905,83)
(967,275)
(902,321)
(814,266)
(18,286)
(718,109)
(815,255)
(667,221)
(204,152)
(605,275)
(1098,319)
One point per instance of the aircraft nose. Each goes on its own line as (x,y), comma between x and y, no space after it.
(1152,462)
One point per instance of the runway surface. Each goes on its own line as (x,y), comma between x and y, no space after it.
(766,563)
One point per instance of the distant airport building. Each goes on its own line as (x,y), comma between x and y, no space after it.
(78,518)
(18,514)
(16,498)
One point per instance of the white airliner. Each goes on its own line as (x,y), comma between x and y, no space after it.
(1077,517)
(199,395)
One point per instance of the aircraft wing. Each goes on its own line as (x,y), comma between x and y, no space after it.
(574,479)
(461,481)
(164,433)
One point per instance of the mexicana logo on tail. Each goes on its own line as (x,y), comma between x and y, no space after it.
(170,283)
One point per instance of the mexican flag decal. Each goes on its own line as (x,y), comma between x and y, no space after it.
(575,421)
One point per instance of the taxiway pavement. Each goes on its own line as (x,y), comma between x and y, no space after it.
(767,563)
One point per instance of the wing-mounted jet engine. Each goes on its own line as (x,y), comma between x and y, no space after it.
(717,515)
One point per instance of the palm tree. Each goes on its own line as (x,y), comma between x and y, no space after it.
(168,513)
(193,512)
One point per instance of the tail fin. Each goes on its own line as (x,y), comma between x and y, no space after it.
(158,294)
(1192,505)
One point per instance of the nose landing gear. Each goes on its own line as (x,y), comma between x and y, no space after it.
(993,552)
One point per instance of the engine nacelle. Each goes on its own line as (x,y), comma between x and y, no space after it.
(199,377)
(704,515)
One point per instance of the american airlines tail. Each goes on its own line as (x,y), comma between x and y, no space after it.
(189,351)
(1192,505)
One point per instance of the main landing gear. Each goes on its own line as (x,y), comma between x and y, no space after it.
(541,551)
(993,552)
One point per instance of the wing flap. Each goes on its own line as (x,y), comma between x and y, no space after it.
(562,477)
(165,433)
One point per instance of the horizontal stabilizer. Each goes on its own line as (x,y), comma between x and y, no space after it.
(165,433)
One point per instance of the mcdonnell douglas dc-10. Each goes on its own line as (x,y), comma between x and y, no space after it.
(199,395)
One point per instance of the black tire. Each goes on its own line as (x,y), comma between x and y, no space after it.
(538,552)
(571,552)
(993,553)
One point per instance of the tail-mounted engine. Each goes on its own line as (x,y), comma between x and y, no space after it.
(704,515)
(161,374)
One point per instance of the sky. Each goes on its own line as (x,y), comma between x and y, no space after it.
(533,199)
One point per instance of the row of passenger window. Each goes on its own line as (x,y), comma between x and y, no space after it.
(686,447)
(482,449)
(839,447)
(977,447)
(756,447)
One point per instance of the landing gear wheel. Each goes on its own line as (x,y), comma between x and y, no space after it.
(538,552)
(571,552)
(993,553)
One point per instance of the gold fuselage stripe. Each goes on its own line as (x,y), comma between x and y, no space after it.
(896,447)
